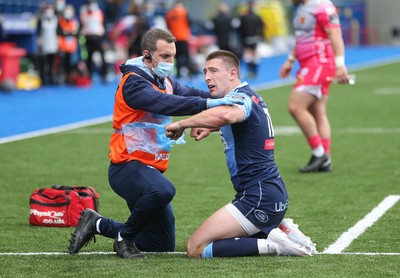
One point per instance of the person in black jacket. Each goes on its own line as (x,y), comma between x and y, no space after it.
(251,32)
(222,26)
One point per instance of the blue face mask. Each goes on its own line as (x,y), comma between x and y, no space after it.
(164,69)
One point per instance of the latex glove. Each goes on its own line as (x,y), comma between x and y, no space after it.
(227,100)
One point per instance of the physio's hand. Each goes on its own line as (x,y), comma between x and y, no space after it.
(173,130)
(199,133)
(227,100)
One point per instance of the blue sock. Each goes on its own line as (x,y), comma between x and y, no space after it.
(232,247)
(207,252)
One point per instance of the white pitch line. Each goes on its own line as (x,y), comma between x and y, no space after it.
(361,226)
(81,253)
(57,129)
(170,253)
(368,254)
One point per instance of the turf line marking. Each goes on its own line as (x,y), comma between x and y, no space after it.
(368,254)
(168,253)
(82,253)
(361,226)
(57,129)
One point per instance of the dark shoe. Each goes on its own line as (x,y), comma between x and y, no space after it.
(85,231)
(315,163)
(326,167)
(126,248)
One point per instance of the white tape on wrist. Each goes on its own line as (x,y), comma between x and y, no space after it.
(291,58)
(339,61)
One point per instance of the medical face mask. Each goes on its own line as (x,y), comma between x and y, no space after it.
(68,15)
(164,69)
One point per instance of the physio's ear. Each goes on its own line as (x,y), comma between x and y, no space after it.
(148,56)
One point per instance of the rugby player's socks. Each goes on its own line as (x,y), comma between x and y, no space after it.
(315,143)
(326,142)
(232,247)
(98,225)
(265,246)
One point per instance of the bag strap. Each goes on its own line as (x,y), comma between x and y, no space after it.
(62,187)
(66,187)
(95,200)
(40,193)
(77,188)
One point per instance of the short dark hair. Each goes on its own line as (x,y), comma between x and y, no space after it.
(228,57)
(150,38)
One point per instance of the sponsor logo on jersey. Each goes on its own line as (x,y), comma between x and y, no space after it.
(281,206)
(256,100)
(269,144)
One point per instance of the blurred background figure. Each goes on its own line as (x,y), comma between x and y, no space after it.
(251,32)
(136,31)
(179,26)
(222,26)
(111,10)
(93,30)
(126,34)
(47,44)
(59,6)
(68,29)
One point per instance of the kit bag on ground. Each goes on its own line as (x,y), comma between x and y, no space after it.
(60,206)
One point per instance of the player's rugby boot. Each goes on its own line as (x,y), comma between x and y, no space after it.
(295,235)
(326,166)
(126,248)
(315,163)
(85,230)
(284,246)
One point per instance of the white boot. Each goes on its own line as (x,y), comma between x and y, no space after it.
(284,246)
(295,235)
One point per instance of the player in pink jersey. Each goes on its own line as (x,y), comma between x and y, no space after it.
(319,49)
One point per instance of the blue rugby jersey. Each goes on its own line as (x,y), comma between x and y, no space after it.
(249,144)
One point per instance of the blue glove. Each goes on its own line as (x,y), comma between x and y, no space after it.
(227,100)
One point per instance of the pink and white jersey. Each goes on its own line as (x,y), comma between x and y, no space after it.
(309,25)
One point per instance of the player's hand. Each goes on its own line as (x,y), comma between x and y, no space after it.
(199,133)
(286,69)
(227,100)
(173,131)
(341,75)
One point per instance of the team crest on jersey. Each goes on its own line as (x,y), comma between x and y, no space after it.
(261,215)
(302,20)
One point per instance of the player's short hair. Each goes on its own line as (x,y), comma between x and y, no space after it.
(150,38)
(229,58)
